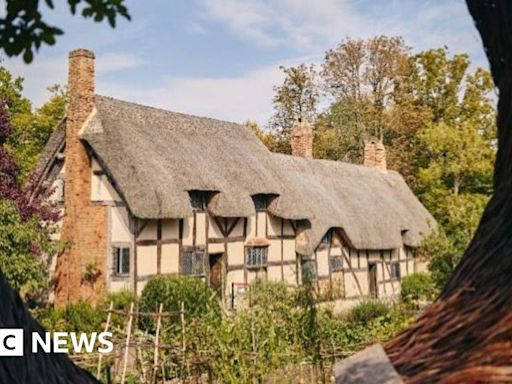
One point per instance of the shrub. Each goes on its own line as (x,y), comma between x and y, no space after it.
(75,317)
(418,286)
(272,295)
(120,301)
(199,300)
(367,311)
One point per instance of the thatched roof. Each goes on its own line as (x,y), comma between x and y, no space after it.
(54,144)
(376,210)
(154,157)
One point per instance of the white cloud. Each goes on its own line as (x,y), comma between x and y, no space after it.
(116,61)
(246,97)
(315,27)
(46,71)
(271,23)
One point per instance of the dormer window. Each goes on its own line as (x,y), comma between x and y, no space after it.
(260,202)
(198,200)
(326,240)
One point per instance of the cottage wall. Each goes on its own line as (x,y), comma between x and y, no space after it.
(156,247)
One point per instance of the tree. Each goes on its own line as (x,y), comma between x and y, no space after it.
(295,99)
(266,137)
(457,153)
(25,222)
(464,337)
(23,29)
(32,129)
(361,77)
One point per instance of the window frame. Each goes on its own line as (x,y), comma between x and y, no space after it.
(118,257)
(263,258)
(194,263)
(395,273)
(340,266)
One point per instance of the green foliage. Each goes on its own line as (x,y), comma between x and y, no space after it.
(121,300)
(455,178)
(18,240)
(367,311)
(271,295)
(434,113)
(199,300)
(24,29)
(75,317)
(417,287)
(32,129)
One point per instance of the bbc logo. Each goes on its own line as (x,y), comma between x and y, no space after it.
(11,342)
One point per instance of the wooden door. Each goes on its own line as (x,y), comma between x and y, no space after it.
(372,280)
(215,260)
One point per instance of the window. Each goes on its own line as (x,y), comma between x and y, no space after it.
(326,240)
(308,267)
(121,260)
(193,263)
(395,271)
(198,200)
(256,257)
(260,202)
(303,224)
(336,263)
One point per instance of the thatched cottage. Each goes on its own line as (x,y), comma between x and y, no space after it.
(146,192)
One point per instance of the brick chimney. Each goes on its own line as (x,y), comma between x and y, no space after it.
(375,154)
(302,139)
(84,229)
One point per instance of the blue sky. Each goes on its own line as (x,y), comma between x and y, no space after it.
(221,58)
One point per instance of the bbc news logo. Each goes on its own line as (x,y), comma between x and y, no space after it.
(12,342)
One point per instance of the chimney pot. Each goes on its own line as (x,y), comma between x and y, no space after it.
(81,52)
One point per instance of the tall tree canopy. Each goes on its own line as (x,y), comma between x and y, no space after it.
(295,99)
(433,111)
(464,337)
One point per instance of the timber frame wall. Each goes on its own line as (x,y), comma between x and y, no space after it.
(157,247)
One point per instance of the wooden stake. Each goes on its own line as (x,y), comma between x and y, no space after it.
(183,342)
(109,316)
(157,342)
(253,337)
(127,345)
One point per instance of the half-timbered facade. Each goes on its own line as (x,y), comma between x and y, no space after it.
(147,192)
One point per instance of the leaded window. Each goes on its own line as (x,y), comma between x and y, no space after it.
(308,267)
(121,260)
(336,263)
(395,271)
(193,263)
(256,257)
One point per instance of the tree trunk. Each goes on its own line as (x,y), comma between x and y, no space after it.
(466,335)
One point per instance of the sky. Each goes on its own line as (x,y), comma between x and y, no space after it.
(221,58)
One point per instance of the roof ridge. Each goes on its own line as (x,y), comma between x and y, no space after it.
(166,111)
(335,162)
